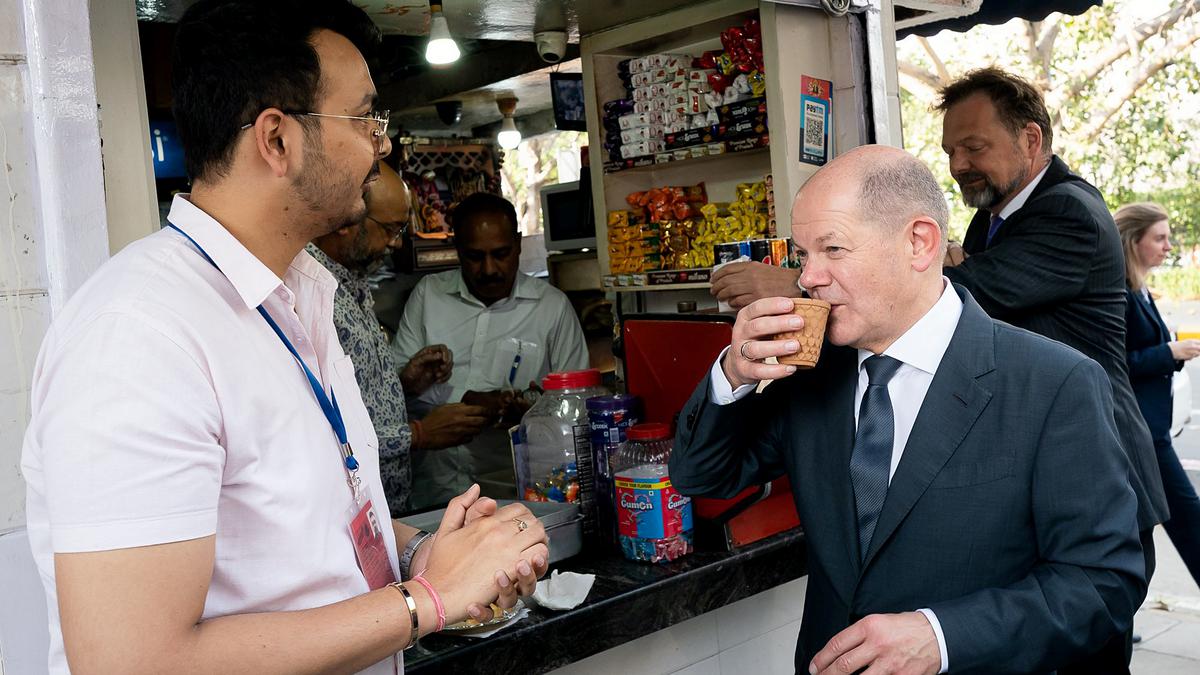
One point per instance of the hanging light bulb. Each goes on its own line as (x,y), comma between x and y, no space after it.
(508,138)
(442,48)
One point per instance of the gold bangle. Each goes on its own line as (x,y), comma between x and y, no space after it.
(412,613)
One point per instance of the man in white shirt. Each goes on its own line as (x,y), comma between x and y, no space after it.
(201,469)
(944,465)
(505,330)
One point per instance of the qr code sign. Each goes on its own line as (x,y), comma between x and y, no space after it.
(814,127)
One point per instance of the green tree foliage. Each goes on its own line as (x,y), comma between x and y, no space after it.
(531,165)
(1123,85)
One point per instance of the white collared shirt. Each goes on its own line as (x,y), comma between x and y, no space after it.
(442,311)
(164,408)
(1023,195)
(536,321)
(919,350)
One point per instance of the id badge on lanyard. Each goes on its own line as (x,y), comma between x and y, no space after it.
(366,529)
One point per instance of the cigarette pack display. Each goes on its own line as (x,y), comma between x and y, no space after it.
(751,143)
(636,120)
(639,134)
(683,139)
(742,109)
(676,127)
(641,148)
(751,126)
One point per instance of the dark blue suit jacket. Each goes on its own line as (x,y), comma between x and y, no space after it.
(1056,267)
(1151,364)
(1010,514)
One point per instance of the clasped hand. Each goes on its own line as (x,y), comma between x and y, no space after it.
(481,554)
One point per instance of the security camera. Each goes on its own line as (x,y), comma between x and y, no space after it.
(449,112)
(551,45)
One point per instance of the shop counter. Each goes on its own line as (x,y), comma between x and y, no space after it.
(627,601)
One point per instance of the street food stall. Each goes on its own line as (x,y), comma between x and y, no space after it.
(702,121)
(699,120)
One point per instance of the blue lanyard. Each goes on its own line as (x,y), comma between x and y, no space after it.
(328,405)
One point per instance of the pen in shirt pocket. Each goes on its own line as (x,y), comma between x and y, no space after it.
(512,372)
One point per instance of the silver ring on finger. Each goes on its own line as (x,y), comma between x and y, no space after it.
(742,351)
(521,525)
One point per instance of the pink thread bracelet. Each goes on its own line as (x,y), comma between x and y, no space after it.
(437,601)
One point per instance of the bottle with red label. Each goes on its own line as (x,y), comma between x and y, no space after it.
(654,522)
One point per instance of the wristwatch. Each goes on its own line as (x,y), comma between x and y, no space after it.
(410,551)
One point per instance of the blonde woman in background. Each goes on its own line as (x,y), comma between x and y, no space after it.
(1153,359)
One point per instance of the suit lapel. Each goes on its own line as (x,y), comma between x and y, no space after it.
(976,238)
(1152,312)
(953,404)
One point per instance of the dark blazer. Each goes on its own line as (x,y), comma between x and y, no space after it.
(992,518)
(1151,364)
(1056,267)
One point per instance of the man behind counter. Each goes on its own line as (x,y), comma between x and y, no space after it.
(351,253)
(505,329)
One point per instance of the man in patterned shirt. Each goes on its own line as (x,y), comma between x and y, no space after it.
(351,253)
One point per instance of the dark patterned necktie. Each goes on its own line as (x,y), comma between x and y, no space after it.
(993,228)
(872,457)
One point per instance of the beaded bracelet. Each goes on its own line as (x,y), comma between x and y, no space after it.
(412,613)
(437,601)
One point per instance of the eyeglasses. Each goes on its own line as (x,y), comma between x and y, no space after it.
(390,228)
(379,117)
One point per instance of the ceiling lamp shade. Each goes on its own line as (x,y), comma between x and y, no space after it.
(442,48)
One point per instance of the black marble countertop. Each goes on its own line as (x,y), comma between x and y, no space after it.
(627,601)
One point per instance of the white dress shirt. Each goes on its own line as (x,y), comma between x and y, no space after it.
(919,350)
(536,321)
(1022,196)
(164,408)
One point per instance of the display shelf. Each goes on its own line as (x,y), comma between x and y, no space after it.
(652,166)
(664,287)
(796,41)
(657,280)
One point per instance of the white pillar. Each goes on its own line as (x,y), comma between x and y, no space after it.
(68,187)
(132,204)
(53,232)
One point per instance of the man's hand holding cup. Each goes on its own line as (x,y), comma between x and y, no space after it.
(789,329)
